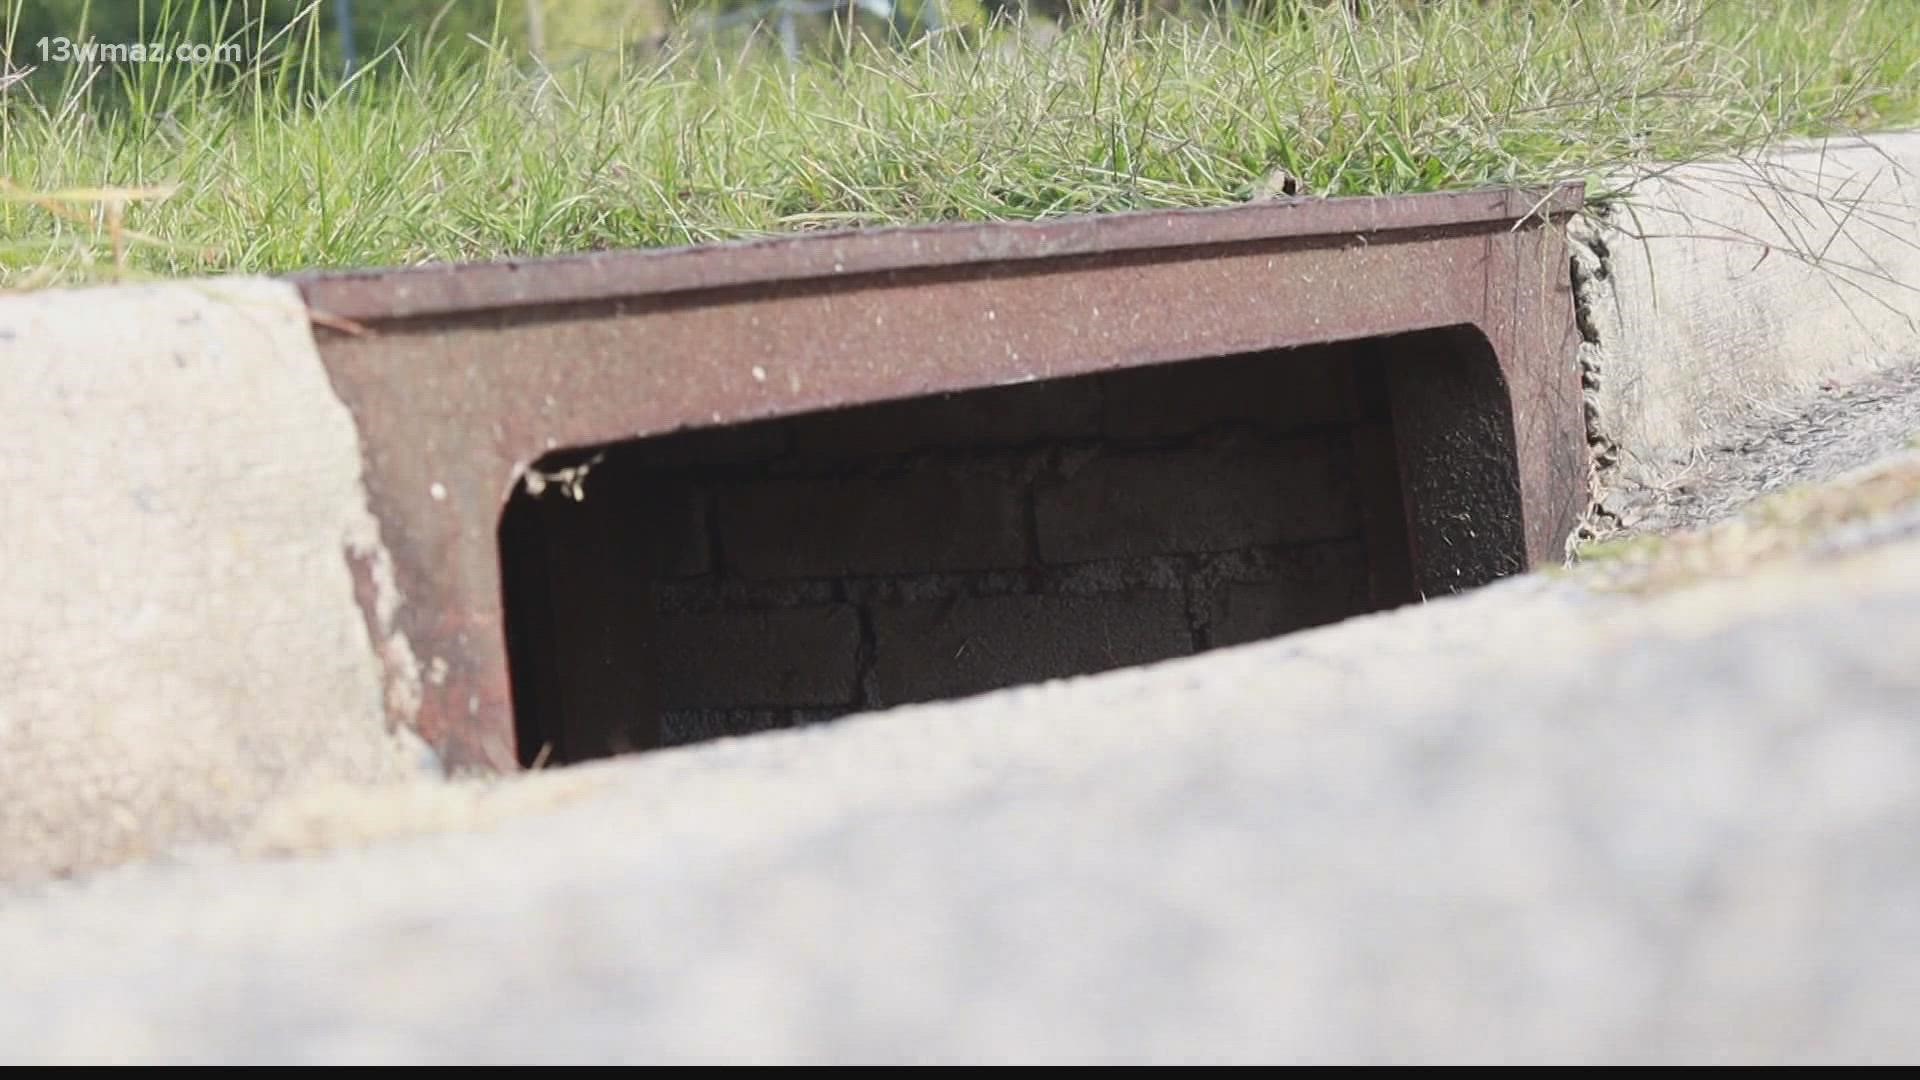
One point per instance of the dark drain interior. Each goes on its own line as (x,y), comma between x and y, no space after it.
(736,579)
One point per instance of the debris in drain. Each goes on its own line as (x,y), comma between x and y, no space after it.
(572,481)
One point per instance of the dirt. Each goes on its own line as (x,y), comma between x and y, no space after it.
(1840,428)
(1839,471)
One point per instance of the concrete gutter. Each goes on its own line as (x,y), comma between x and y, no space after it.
(1543,822)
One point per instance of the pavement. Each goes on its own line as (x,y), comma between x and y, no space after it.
(1656,809)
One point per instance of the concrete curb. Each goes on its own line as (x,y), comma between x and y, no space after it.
(1724,291)
(180,641)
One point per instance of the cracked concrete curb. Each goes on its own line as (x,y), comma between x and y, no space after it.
(1720,292)
(180,639)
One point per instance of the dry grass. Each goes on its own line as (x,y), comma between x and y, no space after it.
(1805,522)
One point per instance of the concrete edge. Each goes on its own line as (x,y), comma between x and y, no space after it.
(196,608)
(1720,292)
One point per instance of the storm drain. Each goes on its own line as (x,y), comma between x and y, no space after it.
(738,579)
(636,500)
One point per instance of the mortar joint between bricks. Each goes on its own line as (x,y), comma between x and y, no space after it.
(1030,525)
(1198,595)
(866,661)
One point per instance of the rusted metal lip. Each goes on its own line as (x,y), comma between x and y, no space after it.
(466,288)
(601,348)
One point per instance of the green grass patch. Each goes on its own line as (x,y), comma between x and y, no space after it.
(443,153)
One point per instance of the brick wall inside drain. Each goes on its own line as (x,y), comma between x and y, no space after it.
(949,545)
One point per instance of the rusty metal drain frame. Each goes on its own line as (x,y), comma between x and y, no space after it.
(460,377)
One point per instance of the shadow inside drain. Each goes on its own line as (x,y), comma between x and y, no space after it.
(731,580)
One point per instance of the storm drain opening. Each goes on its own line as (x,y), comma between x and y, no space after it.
(729,580)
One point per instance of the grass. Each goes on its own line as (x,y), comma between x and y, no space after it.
(436,154)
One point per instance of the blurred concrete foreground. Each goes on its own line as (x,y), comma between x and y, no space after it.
(1641,813)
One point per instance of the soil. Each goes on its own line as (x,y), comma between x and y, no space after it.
(1841,428)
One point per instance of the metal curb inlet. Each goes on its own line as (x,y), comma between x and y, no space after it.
(467,382)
